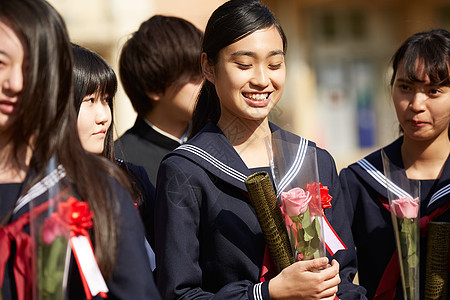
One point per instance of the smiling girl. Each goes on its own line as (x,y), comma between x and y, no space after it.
(209,243)
(420,89)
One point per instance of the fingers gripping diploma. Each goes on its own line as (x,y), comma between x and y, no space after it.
(311,279)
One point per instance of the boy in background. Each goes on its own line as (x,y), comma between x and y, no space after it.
(160,71)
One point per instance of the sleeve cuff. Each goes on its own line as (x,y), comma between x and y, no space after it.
(260,291)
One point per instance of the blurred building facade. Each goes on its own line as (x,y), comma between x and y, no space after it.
(337,91)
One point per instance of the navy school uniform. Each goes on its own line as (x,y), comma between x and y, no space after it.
(146,203)
(209,243)
(365,188)
(131,278)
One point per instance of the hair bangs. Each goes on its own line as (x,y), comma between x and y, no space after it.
(434,61)
(103,82)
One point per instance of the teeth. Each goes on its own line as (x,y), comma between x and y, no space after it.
(256,96)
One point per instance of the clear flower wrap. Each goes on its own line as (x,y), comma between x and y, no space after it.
(300,194)
(404,202)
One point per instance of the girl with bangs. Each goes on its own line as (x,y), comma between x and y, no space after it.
(95,85)
(420,90)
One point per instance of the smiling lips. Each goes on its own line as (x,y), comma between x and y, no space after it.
(256,96)
(257,99)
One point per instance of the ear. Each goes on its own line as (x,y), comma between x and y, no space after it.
(154,96)
(207,68)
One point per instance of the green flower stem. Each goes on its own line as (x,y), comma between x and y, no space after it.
(51,266)
(408,236)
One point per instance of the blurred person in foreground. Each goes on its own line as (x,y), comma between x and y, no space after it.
(38,133)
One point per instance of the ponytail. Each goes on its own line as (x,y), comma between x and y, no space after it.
(207,108)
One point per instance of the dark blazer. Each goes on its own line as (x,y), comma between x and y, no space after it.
(143,146)
(208,240)
(366,197)
(131,278)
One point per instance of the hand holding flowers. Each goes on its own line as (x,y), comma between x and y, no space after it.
(302,211)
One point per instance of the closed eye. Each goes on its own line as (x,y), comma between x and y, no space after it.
(276,66)
(243,66)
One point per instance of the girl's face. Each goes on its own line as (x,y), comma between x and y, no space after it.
(423,109)
(249,75)
(11,76)
(94,119)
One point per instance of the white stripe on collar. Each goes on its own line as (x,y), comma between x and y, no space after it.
(41,187)
(213,161)
(295,168)
(257,291)
(381,178)
(440,193)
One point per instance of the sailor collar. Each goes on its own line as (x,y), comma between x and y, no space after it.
(211,150)
(370,170)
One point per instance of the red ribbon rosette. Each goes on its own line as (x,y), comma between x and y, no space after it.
(78,217)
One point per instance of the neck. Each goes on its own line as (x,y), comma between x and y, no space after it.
(13,166)
(425,159)
(176,128)
(248,139)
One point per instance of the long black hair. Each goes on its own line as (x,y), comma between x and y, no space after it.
(430,47)
(46,121)
(229,23)
(92,74)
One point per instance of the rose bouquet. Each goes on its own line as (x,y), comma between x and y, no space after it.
(404,204)
(59,225)
(51,252)
(295,173)
(53,230)
(303,217)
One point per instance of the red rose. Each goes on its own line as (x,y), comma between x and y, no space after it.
(325,198)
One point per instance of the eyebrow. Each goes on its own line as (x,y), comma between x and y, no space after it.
(409,81)
(404,80)
(253,54)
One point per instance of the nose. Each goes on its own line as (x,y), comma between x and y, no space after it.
(102,113)
(14,83)
(417,103)
(260,76)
